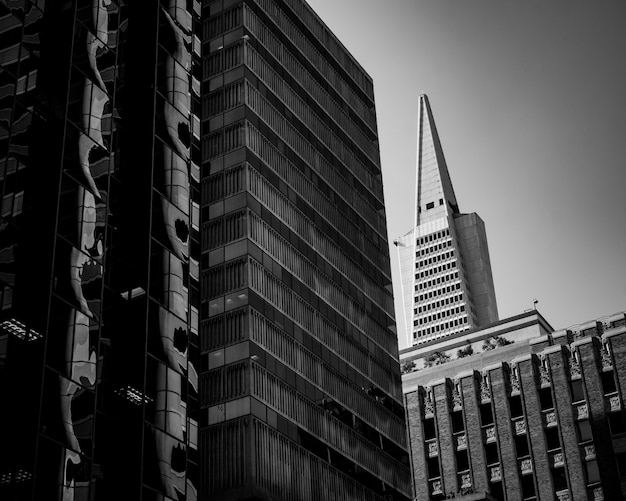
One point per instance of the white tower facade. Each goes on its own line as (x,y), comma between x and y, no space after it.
(447,284)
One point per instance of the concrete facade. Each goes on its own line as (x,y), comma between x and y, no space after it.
(447,285)
(541,418)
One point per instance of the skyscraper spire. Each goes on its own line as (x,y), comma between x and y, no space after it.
(447,286)
(433,185)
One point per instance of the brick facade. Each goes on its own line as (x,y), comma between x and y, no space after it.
(543,419)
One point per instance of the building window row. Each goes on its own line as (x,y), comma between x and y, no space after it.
(435,248)
(307,189)
(12,204)
(309,318)
(435,259)
(285,348)
(304,227)
(280,52)
(223,230)
(440,316)
(301,146)
(444,326)
(437,292)
(278,457)
(298,105)
(438,280)
(437,304)
(328,41)
(222,60)
(222,99)
(301,268)
(287,255)
(222,330)
(291,304)
(432,306)
(223,140)
(438,235)
(222,22)
(223,184)
(314,419)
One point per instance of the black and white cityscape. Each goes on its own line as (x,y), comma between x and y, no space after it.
(204,294)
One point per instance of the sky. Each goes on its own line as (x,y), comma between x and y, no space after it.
(529,98)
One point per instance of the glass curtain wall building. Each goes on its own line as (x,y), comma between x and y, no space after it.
(195,283)
(100,249)
(299,352)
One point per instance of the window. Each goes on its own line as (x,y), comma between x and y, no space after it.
(559,478)
(430,205)
(433,467)
(516,406)
(491,453)
(608,382)
(584,430)
(593,472)
(545,398)
(528,487)
(621,463)
(521,446)
(429,429)
(462,461)
(577,390)
(616,422)
(486,414)
(552,438)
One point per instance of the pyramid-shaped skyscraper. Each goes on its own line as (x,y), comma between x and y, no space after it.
(447,284)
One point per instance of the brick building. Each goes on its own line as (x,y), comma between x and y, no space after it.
(540,418)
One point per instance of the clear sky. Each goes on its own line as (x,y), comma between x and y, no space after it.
(529,98)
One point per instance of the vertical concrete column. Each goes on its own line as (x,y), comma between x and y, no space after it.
(469,393)
(502,416)
(444,434)
(591,366)
(415,426)
(534,426)
(617,343)
(558,357)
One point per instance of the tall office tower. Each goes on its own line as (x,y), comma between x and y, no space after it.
(195,281)
(447,286)
(301,391)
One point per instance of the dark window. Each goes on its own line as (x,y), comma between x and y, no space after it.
(516,406)
(616,422)
(621,463)
(559,478)
(462,461)
(430,205)
(491,453)
(457,422)
(521,446)
(433,467)
(577,390)
(497,491)
(486,414)
(552,438)
(429,429)
(545,398)
(528,486)
(593,473)
(441,201)
(608,382)
(584,430)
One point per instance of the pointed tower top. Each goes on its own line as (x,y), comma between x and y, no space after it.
(434,193)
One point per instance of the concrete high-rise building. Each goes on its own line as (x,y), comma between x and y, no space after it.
(447,285)
(538,415)
(195,286)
